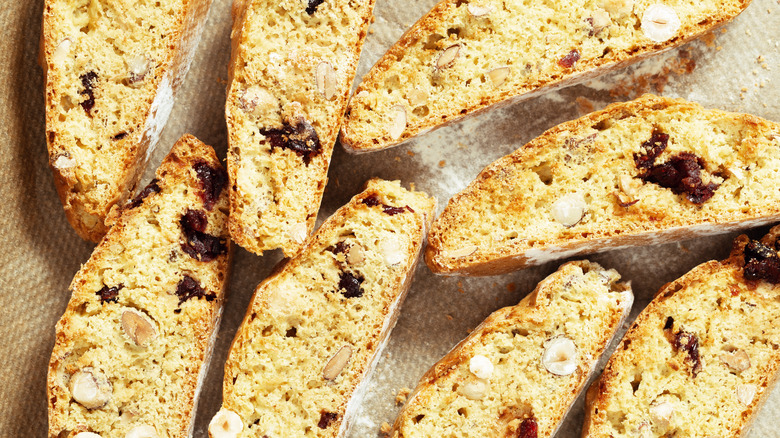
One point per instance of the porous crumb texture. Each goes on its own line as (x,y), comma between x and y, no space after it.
(136,337)
(316,328)
(292,67)
(641,172)
(466,55)
(111,69)
(699,360)
(457,398)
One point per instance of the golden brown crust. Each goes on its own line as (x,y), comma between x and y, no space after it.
(358,131)
(87,213)
(659,217)
(275,204)
(688,299)
(142,258)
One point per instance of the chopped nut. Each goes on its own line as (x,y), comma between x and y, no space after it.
(746,393)
(64,162)
(142,431)
(298,232)
(661,414)
(417,97)
(660,23)
(629,186)
(462,252)
(447,57)
(337,363)
(90,388)
(474,390)
(391,251)
(481,367)
(326,80)
(618,8)
(256,100)
(737,360)
(477,10)
(560,356)
(61,52)
(397,121)
(569,209)
(601,20)
(137,327)
(498,75)
(225,424)
(137,69)
(87,435)
(355,255)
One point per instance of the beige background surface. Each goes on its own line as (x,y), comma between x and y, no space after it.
(39,253)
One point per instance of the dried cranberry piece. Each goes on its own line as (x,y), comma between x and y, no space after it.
(313,4)
(339,248)
(300,138)
(189,287)
(109,294)
(152,187)
(373,201)
(326,418)
(528,429)
(350,285)
(119,136)
(761,263)
(570,59)
(687,342)
(88,81)
(199,245)
(212,181)
(653,148)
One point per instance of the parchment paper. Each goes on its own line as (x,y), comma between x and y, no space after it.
(736,70)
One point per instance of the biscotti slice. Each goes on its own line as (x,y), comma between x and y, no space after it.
(292,68)
(643,172)
(701,359)
(134,343)
(111,69)
(519,372)
(465,56)
(300,361)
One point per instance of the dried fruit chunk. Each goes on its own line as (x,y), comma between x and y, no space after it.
(687,342)
(189,287)
(337,363)
(298,136)
(528,429)
(570,59)
(138,327)
(109,294)
(90,388)
(350,285)
(313,5)
(373,201)
(660,23)
(326,418)
(225,424)
(152,187)
(88,81)
(199,245)
(212,181)
(761,263)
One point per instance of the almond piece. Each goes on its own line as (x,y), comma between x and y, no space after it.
(64,162)
(138,327)
(462,252)
(746,393)
(447,57)
(477,10)
(142,431)
(737,360)
(476,390)
(337,363)
(397,122)
(326,80)
(298,232)
(498,75)
(61,52)
(90,388)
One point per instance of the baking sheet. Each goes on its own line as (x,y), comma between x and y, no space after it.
(736,70)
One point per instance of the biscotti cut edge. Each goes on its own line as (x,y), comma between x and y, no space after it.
(356,141)
(732,269)
(86,217)
(468,260)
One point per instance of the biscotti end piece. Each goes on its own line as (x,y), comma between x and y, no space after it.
(643,172)
(292,67)
(522,368)
(111,71)
(134,342)
(702,357)
(314,331)
(466,56)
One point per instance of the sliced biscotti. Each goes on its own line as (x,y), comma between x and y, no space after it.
(111,71)
(465,56)
(702,357)
(299,363)
(642,172)
(292,68)
(136,337)
(519,372)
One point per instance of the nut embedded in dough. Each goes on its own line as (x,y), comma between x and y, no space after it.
(560,356)
(660,23)
(90,388)
(225,424)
